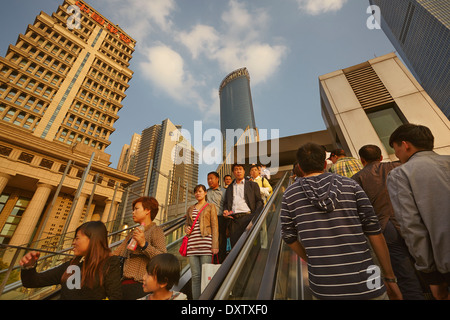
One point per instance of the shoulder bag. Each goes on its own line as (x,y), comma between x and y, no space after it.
(183,248)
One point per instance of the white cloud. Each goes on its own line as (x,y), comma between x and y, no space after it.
(140,18)
(165,68)
(315,7)
(240,42)
(202,38)
(261,60)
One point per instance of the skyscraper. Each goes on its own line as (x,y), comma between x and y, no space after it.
(236,107)
(420,32)
(60,91)
(160,174)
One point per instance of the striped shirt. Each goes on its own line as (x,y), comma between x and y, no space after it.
(198,245)
(331,215)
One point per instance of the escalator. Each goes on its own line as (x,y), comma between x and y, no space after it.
(260,266)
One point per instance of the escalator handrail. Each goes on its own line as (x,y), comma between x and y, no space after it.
(237,253)
(269,278)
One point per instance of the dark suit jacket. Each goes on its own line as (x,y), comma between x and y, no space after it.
(252,197)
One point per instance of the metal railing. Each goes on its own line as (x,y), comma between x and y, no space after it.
(11,287)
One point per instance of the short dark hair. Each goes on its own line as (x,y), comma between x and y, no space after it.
(227,175)
(418,135)
(148,203)
(214,173)
(165,267)
(311,158)
(337,152)
(200,186)
(370,153)
(237,165)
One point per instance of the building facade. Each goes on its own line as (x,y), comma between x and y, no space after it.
(236,108)
(60,91)
(128,156)
(365,103)
(166,164)
(420,32)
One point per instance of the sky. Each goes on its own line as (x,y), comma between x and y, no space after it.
(185,48)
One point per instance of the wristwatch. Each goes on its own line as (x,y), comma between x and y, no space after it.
(144,247)
(394,280)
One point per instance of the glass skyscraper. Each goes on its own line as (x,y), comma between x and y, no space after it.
(236,107)
(420,32)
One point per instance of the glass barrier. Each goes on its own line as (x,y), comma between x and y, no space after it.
(248,281)
(11,287)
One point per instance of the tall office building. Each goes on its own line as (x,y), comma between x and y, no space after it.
(365,103)
(128,156)
(236,109)
(420,32)
(166,163)
(60,91)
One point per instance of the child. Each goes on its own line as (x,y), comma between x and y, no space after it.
(163,272)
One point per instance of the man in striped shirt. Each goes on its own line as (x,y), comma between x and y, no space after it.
(325,219)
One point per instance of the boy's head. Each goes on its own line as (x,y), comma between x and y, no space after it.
(410,138)
(311,158)
(163,270)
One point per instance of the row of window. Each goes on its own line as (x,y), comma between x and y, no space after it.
(18,117)
(32,67)
(109,70)
(24,100)
(92,113)
(52,165)
(70,137)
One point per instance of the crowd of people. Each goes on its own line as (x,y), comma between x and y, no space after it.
(367,228)
(356,217)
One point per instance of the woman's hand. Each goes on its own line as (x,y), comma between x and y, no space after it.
(139,236)
(29,259)
(215,251)
(187,229)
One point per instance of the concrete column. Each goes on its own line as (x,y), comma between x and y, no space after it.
(32,213)
(75,222)
(4,179)
(106,211)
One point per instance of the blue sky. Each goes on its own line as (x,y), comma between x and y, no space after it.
(186,47)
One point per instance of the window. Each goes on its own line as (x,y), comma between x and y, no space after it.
(45,163)
(10,114)
(13,220)
(26,157)
(385,120)
(3,199)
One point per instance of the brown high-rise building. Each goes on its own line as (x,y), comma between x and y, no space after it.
(61,87)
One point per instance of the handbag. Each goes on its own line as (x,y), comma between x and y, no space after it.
(208,272)
(184,243)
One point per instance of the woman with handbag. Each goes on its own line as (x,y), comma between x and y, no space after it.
(203,236)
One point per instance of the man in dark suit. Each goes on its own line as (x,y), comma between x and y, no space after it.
(242,202)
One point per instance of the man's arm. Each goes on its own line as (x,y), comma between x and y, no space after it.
(381,251)
(413,230)
(298,248)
